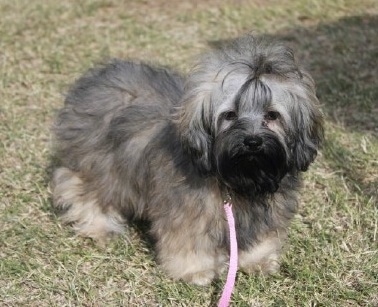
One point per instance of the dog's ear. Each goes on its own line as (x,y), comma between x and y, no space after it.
(309,135)
(195,128)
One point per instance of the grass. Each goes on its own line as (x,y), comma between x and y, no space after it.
(332,255)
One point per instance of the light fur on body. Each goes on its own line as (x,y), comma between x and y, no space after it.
(139,142)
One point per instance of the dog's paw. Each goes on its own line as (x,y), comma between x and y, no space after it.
(265,267)
(262,258)
(261,269)
(200,278)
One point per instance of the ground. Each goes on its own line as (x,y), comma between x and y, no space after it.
(332,255)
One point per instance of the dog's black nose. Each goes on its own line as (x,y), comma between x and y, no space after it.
(253,143)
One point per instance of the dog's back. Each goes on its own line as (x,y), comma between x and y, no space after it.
(113,103)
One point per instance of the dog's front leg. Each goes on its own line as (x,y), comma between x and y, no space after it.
(189,258)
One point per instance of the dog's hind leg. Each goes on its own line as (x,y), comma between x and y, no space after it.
(82,209)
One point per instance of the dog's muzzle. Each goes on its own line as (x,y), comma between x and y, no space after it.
(250,164)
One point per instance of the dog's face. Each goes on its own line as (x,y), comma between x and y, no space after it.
(250,116)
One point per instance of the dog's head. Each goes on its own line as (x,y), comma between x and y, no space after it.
(250,115)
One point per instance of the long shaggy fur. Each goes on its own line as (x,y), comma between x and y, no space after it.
(140,142)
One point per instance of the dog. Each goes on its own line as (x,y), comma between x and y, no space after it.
(138,142)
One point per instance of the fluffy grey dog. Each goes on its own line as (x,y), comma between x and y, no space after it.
(140,142)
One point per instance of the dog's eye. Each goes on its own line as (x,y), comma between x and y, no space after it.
(231,115)
(271,115)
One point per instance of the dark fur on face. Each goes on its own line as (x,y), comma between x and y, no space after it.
(250,165)
(140,142)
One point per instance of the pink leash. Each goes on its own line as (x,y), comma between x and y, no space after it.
(233,265)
